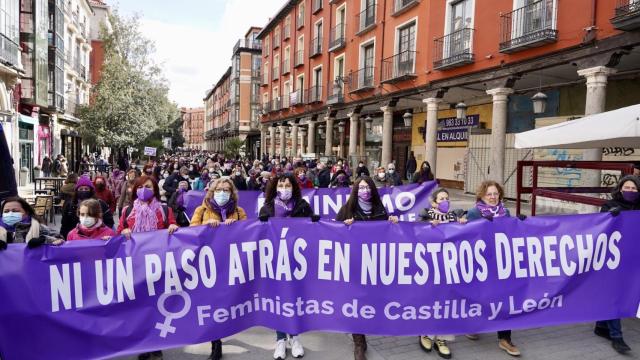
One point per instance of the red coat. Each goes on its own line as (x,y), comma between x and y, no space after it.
(99,233)
(306,184)
(107,196)
(131,221)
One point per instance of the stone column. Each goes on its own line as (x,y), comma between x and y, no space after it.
(431,136)
(263,141)
(362,142)
(294,139)
(354,118)
(387,134)
(283,141)
(329,138)
(272,142)
(595,104)
(303,142)
(498,132)
(311,137)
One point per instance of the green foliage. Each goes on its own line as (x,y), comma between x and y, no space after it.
(130,102)
(233,147)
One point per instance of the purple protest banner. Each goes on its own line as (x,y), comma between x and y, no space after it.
(405,201)
(91,299)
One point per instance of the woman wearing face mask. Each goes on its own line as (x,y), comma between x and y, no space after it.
(382,179)
(301,178)
(19,224)
(624,197)
(364,204)
(265,176)
(439,213)
(489,205)
(283,199)
(340,180)
(84,190)
(90,226)
(424,174)
(103,193)
(146,213)
(361,170)
(201,182)
(176,202)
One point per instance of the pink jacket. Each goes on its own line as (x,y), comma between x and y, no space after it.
(99,233)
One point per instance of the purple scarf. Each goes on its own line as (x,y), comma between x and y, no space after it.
(489,211)
(180,198)
(283,209)
(145,215)
(224,210)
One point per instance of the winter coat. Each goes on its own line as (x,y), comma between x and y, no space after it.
(394,178)
(240,182)
(107,196)
(205,213)
(70,217)
(300,209)
(377,213)
(360,171)
(163,222)
(324,178)
(99,233)
(380,183)
(26,232)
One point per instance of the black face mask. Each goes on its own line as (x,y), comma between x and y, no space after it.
(84,194)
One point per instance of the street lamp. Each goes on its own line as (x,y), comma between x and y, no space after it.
(341,127)
(407,117)
(539,103)
(367,122)
(461,110)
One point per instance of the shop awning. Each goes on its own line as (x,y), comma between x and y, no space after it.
(29,120)
(616,128)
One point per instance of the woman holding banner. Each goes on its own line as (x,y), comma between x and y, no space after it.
(489,205)
(146,214)
(284,199)
(19,224)
(624,197)
(364,204)
(220,206)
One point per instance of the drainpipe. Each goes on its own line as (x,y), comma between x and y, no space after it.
(384,16)
(590,31)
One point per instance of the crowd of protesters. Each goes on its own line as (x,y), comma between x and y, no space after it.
(129,197)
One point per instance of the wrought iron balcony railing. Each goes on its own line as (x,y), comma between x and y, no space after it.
(627,15)
(367,18)
(362,79)
(337,93)
(247,44)
(400,6)
(337,37)
(297,98)
(286,67)
(276,104)
(453,50)
(529,26)
(299,61)
(399,67)
(314,94)
(316,46)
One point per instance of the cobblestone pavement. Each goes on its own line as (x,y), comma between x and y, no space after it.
(572,342)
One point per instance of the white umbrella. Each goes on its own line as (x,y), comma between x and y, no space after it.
(616,128)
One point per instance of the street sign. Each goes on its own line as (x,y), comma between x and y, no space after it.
(151,151)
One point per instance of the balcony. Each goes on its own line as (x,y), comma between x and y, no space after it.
(453,50)
(317,5)
(337,38)
(286,31)
(276,41)
(266,107)
(9,51)
(401,6)
(276,72)
(286,101)
(247,44)
(362,80)
(314,94)
(286,67)
(399,67)
(299,21)
(276,104)
(529,26)
(367,19)
(316,47)
(297,98)
(627,15)
(265,79)
(299,60)
(256,73)
(337,93)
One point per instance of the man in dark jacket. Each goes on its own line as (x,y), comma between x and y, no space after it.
(171,183)
(324,176)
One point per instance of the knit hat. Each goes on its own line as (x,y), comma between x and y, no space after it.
(84,180)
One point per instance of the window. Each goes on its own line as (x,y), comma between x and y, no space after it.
(276,38)
(276,65)
(286,94)
(338,73)
(267,48)
(407,38)
(461,15)
(300,21)
(286,64)
(367,69)
(265,74)
(287,27)
(367,14)
(316,87)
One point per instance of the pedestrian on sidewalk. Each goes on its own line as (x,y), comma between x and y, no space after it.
(284,199)
(364,204)
(91,225)
(46,167)
(489,205)
(84,190)
(439,213)
(220,206)
(68,189)
(624,197)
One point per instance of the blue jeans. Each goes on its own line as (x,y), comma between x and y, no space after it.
(614,326)
(283,336)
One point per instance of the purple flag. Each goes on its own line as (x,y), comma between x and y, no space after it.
(405,201)
(91,299)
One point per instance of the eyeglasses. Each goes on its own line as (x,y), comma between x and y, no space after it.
(364,188)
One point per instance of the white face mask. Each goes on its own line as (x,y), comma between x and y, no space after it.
(391,171)
(381,175)
(87,221)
